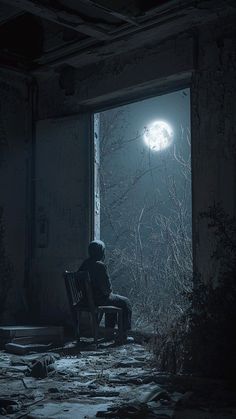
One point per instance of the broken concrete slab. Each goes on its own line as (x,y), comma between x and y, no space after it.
(24,335)
(22,331)
(41,367)
(66,410)
(20,349)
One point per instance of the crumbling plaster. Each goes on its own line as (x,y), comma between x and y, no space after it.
(115,78)
(61,213)
(15,143)
(213,136)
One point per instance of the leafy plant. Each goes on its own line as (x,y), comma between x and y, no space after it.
(203,340)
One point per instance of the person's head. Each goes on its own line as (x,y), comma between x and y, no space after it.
(96,250)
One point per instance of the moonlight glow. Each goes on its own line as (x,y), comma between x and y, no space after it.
(158,135)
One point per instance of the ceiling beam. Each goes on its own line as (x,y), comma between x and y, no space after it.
(110,11)
(89,48)
(152,31)
(61,17)
(8,18)
(122,7)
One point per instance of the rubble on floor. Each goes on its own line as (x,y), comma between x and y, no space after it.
(110,382)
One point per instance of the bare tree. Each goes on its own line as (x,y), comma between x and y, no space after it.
(148,239)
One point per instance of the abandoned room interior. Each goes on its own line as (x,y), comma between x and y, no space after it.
(118,126)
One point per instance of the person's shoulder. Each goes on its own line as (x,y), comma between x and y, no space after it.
(84,265)
(101,266)
(100,263)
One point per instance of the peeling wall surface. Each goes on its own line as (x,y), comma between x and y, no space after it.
(116,80)
(213,136)
(14,181)
(62,212)
(204,59)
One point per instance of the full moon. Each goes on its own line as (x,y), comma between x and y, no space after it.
(158,135)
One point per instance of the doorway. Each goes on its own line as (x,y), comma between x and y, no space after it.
(143,203)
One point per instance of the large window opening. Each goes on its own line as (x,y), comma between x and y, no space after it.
(143,201)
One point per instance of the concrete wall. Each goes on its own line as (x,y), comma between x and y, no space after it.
(144,72)
(213,136)
(204,59)
(15,145)
(62,221)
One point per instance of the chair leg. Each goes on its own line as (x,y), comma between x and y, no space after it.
(78,327)
(100,316)
(94,320)
(96,336)
(120,327)
(95,329)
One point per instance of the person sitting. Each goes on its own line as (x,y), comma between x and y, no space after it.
(102,288)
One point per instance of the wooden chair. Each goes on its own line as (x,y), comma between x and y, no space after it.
(80,295)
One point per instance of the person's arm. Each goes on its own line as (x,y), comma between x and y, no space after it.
(103,279)
(82,267)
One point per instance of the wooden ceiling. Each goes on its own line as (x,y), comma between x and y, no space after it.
(39,34)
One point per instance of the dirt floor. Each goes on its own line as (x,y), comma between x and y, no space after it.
(116,382)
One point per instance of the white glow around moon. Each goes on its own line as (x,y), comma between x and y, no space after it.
(158,135)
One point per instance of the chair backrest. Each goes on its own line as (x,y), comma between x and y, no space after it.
(79,290)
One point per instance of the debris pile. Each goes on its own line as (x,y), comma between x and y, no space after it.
(111,382)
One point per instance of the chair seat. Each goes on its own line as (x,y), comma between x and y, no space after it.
(109,309)
(80,295)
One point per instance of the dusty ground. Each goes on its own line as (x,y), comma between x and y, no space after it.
(119,378)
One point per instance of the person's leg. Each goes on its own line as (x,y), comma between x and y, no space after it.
(110,318)
(120,302)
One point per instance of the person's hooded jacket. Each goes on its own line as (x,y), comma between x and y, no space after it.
(100,280)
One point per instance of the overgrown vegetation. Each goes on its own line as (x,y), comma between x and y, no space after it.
(204,339)
(214,304)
